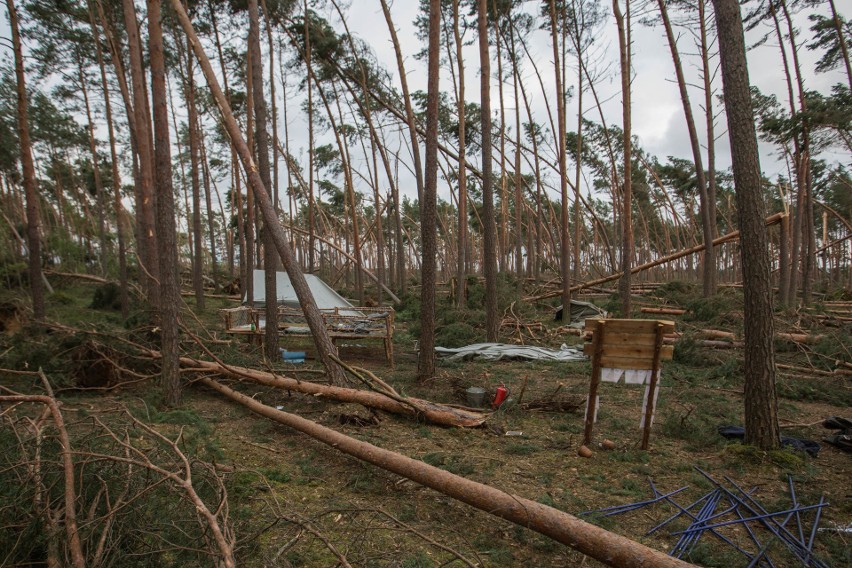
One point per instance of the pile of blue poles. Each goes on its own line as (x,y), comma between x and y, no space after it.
(728,504)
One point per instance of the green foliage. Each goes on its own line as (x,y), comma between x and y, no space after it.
(107,297)
(61,298)
(456,334)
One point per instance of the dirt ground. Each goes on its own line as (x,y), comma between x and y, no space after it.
(308,503)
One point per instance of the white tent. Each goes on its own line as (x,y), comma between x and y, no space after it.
(325,297)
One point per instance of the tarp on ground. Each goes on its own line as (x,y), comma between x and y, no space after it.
(497,351)
(324,295)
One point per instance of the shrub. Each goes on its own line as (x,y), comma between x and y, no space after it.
(107,297)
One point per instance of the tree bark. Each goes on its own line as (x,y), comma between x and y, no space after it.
(627,189)
(146,218)
(564,250)
(323,343)
(461,260)
(489,229)
(30,190)
(428,223)
(116,176)
(270,261)
(761,405)
(194,159)
(166,232)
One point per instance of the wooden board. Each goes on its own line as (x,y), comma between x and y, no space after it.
(630,352)
(630,325)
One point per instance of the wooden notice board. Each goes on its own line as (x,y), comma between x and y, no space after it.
(630,345)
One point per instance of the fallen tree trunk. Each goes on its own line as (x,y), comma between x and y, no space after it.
(440,414)
(666,311)
(771,220)
(607,547)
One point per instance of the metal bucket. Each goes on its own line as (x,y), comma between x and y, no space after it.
(475,397)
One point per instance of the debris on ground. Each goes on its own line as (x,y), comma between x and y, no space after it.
(730,506)
(504,351)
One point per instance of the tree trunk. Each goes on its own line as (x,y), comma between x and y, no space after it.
(166,232)
(270,260)
(194,153)
(96,171)
(30,190)
(428,207)
(710,120)
(761,405)
(709,266)
(116,176)
(627,189)
(323,343)
(311,203)
(461,260)
(564,250)
(489,250)
(409,110)
(589,539)
(146,218)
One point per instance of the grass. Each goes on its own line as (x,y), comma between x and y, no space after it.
(339,495)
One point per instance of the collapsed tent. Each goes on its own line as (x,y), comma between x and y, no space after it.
(324,295)
(498,351)
(579,312)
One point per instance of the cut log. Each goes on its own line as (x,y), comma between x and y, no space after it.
(607,547)
(798,337)
(717,334)
(440,414)
(666,311)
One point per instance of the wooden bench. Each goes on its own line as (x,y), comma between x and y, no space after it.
(629,345)
(341,323)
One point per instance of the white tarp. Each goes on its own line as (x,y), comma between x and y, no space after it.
(496,351)
(325,297)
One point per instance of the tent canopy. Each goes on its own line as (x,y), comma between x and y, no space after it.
(325,297)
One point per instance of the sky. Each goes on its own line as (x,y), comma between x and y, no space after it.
(657,111)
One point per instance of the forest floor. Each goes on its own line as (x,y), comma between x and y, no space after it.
(293,499)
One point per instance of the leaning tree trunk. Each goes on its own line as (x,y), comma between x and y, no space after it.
(761,405)
(166,231)
(324,346)
(28,167)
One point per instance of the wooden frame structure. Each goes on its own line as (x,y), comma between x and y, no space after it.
(626,344)
(341,323)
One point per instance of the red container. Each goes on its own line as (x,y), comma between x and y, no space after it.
(500,396)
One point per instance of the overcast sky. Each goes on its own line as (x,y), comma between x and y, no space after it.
(657,112)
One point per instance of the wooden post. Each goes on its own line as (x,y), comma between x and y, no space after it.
(591,406)
(652,386)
